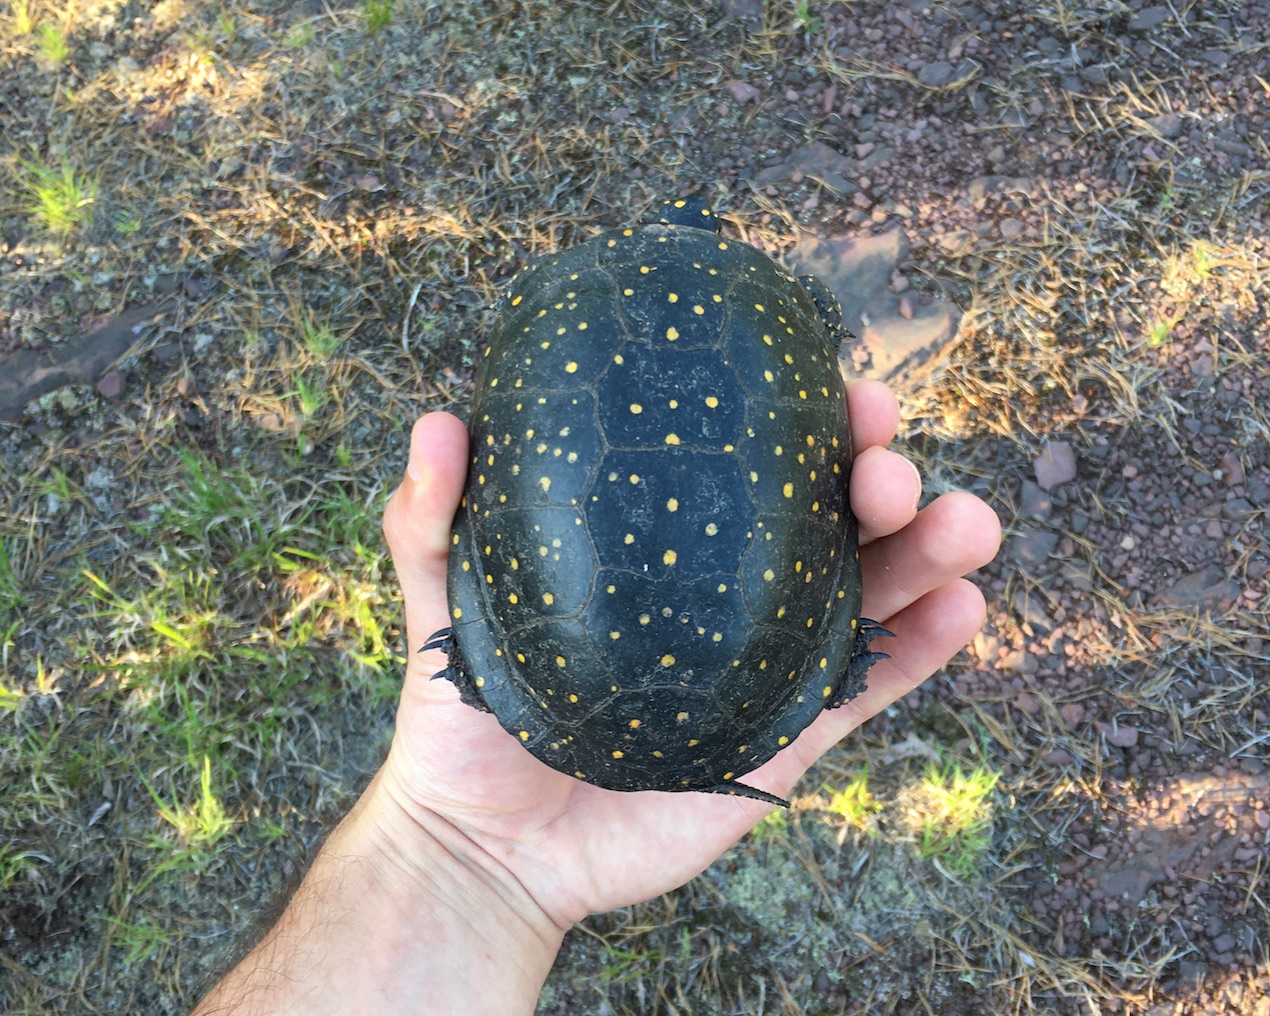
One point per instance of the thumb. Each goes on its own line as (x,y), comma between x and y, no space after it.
(418,518)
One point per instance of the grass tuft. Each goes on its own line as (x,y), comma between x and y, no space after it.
(952,815)
(51,42)
(855,805)
(63,198)
(203,823)
(23,20)
(377,14)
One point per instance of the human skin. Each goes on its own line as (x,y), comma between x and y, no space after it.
(450,884)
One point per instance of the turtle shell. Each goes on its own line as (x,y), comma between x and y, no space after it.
(654,581)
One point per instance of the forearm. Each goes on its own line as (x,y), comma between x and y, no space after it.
(393,919)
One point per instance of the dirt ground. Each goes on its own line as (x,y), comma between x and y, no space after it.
(1087,184)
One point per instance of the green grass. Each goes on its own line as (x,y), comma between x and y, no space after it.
(377,14)
(63,198)
(23,20)
(805,20)
(202,823)
(954,816)
(17,864)
(855,805)
(51,42)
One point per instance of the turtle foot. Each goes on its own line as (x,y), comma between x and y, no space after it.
(456,673)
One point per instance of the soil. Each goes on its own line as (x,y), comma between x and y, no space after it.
(1121,679)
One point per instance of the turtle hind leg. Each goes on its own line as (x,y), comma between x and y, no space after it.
(862,658)
(455,672)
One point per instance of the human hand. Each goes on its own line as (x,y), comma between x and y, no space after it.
(449,886)
(575,848)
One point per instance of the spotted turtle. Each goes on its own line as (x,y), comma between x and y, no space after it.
(654,581)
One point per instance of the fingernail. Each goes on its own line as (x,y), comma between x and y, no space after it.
(917,475)
(415,464)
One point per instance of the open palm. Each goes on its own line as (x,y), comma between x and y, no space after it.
(577,848)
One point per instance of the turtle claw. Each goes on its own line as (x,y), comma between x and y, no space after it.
(861,660)
(455,672)
(443,639)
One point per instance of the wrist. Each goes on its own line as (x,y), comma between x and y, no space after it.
(399,913)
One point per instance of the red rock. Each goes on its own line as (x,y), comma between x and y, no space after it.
(111,385)
(1121,737)
(1072,713)
(1026,702)
(1056,464)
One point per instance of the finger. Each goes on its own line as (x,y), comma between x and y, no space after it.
(950,537)
(927,635)
(885,490)
(874,414)
(418,519)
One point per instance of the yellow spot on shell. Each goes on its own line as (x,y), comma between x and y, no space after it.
(524,735)
(681,717)
(548,599)
(670,557)
(571,367)
(636,408)
(712,402)
(672,333)
(545,483)
(672,439)
(560,661)
(828,691)
(668,660)
(769,575)
(672,505)
(789,490)
(516,301)
(673,297)
(635,724)
(712,529)
(617,754)
(458,612)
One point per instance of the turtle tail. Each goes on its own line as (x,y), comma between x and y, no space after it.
(741,790)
